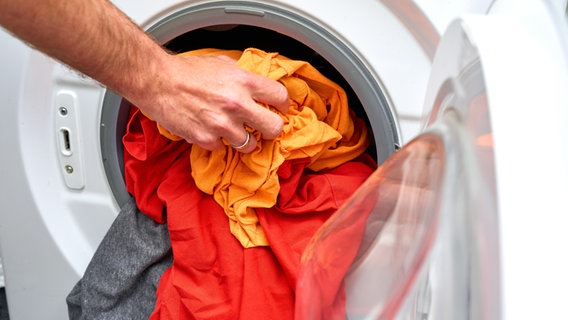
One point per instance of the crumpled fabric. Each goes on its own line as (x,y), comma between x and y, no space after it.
(319,126)
(121,279)
(213,276)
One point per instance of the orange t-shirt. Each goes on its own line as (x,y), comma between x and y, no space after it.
(318,126)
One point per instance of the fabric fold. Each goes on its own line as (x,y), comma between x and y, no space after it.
(318,126)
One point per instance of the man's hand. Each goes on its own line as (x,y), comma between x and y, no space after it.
(204,99)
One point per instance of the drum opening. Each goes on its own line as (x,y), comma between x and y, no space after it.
(241,37)
(277,29)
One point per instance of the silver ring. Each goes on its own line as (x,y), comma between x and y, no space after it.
(244,144)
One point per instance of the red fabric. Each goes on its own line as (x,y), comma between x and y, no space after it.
(305,202)
(213,276)
(147,157)
(325,262)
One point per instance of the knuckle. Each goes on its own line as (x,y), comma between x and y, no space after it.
(232,105)
(220,125)
(208,142)
(228,101)
(244,78)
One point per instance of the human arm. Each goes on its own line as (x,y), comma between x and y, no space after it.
(200,99)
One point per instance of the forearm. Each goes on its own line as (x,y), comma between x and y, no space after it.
(201,99)
(91,36)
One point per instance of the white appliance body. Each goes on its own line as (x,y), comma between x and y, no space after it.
(466,221)
(56,204)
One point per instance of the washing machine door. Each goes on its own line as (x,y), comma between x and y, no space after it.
(466,221)
(504,77)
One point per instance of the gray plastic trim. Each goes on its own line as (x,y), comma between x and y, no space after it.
(114,117)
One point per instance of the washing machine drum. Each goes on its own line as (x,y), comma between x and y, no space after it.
(272,29)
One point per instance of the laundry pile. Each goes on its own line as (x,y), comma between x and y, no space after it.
(239,223)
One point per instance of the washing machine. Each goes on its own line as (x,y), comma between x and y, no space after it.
(62,182)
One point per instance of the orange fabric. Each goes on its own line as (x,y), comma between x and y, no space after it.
(319,126)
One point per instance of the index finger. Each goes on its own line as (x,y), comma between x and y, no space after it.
(269,123)
(270,92)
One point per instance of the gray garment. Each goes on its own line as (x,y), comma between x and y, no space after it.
(121,280)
